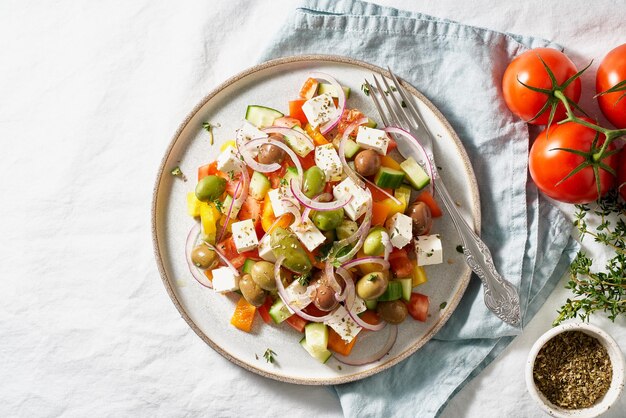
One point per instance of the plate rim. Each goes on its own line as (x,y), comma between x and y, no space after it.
(475,211)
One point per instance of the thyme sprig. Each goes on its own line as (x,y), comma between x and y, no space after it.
(598,291)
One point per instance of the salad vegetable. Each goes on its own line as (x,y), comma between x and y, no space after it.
(317,221)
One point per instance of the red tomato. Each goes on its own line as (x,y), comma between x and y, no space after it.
(251,209)
(308,161)
(295,110)
(349,116)
(418,306)
(611,71)
(548,166)
(401,265)
(264,310)
(296,322)
(208,169)
(528,68)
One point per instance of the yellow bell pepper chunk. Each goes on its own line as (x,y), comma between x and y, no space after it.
(209,217)
(394,207)
(193,205)
(403,194)
(227,144)
(316,135)
(367,267)
(419,276)
(387,161)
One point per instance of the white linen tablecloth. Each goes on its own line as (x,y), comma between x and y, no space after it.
(90,95)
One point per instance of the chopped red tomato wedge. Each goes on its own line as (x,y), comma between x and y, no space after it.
(418,306)
(296,322)
(295,110)
(401,264)
(264,310)
(429,200)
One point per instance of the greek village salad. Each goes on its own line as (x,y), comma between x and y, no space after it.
(317,221)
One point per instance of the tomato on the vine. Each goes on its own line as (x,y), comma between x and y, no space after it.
(612,70)
(550,167)
(531,105)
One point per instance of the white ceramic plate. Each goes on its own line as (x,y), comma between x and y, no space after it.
(272,84)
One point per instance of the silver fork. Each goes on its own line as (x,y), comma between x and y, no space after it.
(500,296)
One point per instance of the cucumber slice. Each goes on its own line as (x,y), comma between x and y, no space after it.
(389,178)
(261,116)
(297,144)
(291,173)
(351,148)
(415,173)
(316,334)
(407,286)
(279,311)
(393,292)
(259,186)
(321,356)
(371,123)
(371,304)
(329,88)
(247,266)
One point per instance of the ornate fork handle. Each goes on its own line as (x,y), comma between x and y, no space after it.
(500,295)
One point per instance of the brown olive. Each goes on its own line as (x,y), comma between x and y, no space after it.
(422,218)
(367,162)
(371,285)
(324,297)
(269,154)
(203,257)
(251,291)
(262,273)
(393,312)
(320,277)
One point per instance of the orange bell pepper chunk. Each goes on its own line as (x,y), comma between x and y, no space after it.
(338,345)
(429,200)
(379,213)
(243,317)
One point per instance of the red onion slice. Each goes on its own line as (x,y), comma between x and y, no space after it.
(360,234)
(324,197)
(285,298)
(387,243)
(341,102)
(192,237)
(329,272)
(349,289)
(367,260)
(244,149)
(319,206)
(230,211)
(420,148)
(356,177)
(366,325)
(353,359)
(245,182)
(290,132)
(224,259)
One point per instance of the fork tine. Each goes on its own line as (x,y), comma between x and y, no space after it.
(377,103)
(400,110)
(390,109)
(412,110)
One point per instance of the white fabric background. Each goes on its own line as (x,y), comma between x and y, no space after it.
(90,95)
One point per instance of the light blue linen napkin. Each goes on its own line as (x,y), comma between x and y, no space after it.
(459,68)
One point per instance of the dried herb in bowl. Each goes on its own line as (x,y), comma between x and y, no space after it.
(573,370)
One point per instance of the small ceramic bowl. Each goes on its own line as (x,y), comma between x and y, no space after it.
(604,403)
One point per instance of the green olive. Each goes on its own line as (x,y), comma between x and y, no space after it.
(328,220)
(373,244)
(262,273)
(346,229)
(314,181)
(203,257)
(330,236)
(210,188)
(393,312)
(371,285)
(251,291)
(285,243)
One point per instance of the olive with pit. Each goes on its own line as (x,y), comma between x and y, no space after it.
(324,297)
(393,312)
(269,154)
(373,244)
(202,256)
(210,188)
(346,229)
(422,218)
(251,291)
(328,220)
(313,181)
(367,162)
(371,285)
(262,273)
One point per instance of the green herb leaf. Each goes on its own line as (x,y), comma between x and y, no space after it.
(269,355)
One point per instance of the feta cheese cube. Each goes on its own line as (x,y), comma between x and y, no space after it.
(400,227)
(265,249)
(343,325)
(428,249)
(248,132)
(360,198)
(297,144)
(281,199)
(308,234)
(244,235)
(319,110)
(374,139)
(225,280)
(327,159)
(228,160)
